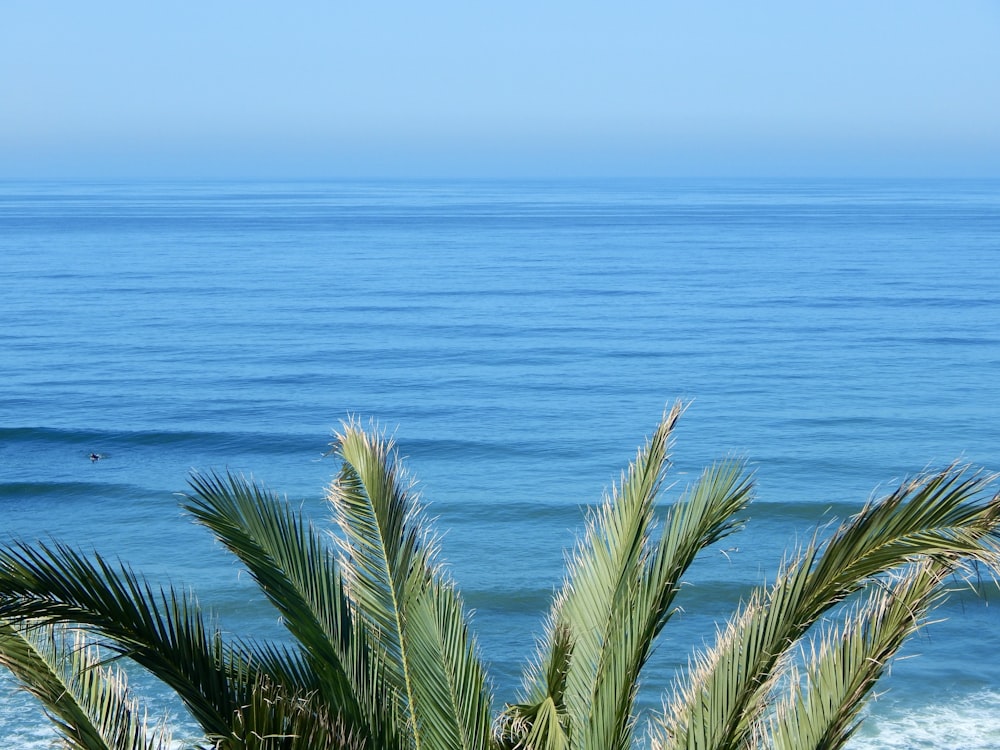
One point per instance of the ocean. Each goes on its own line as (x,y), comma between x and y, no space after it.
(519,340)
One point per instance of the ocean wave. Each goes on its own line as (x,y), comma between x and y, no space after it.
(35,438)
(969,722)
(65,490)
(444,449)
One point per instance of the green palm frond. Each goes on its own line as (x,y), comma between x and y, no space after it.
(605,565)
(384,551)
(450,683)
(542,725)
(413,615)
(821,708)
(703,518)
(298,572)
(90,705)
(943,517)
(275,719)
(163,631)
(621,583)
(291,562)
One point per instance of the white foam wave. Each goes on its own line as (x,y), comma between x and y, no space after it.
(973,723)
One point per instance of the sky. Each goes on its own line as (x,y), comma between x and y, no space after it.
(331,89)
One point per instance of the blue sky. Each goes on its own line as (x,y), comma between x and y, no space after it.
(228,88)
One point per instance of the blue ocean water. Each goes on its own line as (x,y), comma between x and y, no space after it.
(519,339)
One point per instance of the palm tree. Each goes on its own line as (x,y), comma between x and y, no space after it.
(381,654)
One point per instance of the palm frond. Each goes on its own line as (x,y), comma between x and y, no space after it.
(701,519)
(383,552)
(90,705)
(542,724)
(450,693)
(618,593)
(298,573)
(822,707)
(606,564)
(414,618)
(163,632)
(941,516)
(944,517)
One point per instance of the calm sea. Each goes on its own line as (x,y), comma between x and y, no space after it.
(520,339)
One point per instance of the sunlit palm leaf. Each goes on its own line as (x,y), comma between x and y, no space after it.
(454,705)
(383,550)
(821,709)
(605,565)
(298,572)
(621,583)
(413,616)
(701,519)
(89,704)
(943,517)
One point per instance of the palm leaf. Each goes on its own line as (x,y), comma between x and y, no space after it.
(703,518)
(542,725)
(450,690)
(943,517)
(298,573)
(384,555)
(414,617)
(163,632)
(605,563)
(618,593)
(821,710)
(90,705)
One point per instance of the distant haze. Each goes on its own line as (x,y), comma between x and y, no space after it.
(522,89)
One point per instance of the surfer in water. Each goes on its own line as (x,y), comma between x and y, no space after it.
(94,457)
